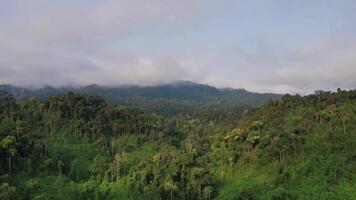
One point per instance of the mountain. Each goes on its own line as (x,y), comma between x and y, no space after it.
(23,93)
(166,99)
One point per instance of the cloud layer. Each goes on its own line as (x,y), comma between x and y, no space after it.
(59,43)
(266,46)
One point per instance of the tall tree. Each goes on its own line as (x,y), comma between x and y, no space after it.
(9,144)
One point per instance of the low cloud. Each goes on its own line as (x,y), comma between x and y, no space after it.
(326,65)
(63,43)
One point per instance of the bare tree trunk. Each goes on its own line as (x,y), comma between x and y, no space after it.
(117,174)
(171,193)
(233,168)
(222,172)
(335,176)
(9,163)
(182,174)
(28,164)
(225,172)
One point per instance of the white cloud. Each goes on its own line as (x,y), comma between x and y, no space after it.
(61,42)
(76,43)
(327,64)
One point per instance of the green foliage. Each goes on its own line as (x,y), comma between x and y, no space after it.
(167,100)
(76,146)
(8,192)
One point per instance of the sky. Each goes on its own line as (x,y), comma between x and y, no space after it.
(260,45)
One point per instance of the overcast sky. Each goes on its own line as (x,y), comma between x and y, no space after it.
(261,45)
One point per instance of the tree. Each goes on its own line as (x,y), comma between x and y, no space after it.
(9,144)
(253,139)
(344,114)
(60,165)
(98,167)
(51,120)
(169,186)
(207,192)
(294,139)
(307,119)
(8,192)
(257,125)
(20,127)
(74,169)
(115,166)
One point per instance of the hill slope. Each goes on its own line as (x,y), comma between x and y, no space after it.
(294,148)
(76,146)
(168,99)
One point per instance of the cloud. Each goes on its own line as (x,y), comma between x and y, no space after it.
(66,22)
(65,43)
(268,46)
(328,65)
(321,64)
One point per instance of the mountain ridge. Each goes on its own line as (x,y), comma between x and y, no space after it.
(183,96)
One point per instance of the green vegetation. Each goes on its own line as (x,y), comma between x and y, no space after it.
(167,100)
(76,146)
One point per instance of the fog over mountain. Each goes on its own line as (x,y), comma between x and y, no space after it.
(264,46)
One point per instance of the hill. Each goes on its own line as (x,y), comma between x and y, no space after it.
(77,146)
(168,99)
(293,148)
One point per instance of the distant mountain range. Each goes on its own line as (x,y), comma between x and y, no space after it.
(183,96)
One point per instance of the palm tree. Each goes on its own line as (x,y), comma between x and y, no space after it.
(170,186)
(207,192)
(258,125)
(307,124)
(9,143)
(344,115)
(60,164)
(117,165)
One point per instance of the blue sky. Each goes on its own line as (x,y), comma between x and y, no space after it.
(260,45)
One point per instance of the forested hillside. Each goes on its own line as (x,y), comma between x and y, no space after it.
(76,146)
(168,99)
